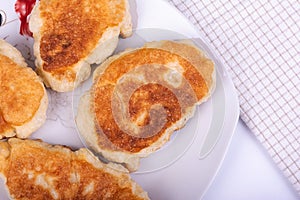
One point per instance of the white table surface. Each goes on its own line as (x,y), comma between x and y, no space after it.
(249,173)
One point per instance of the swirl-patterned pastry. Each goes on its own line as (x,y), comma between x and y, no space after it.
(141,96)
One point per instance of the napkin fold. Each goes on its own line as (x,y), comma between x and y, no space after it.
(259,44)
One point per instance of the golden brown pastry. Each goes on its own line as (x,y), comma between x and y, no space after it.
(37,170)
(23,98)
(71,35)
(141,96)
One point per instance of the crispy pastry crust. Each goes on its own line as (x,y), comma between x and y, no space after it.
(37,170)
(117,116)
(23,98)
(71,35)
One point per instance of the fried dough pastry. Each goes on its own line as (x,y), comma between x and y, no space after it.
(141,96)
(23,98)
(37,170)
(71,35)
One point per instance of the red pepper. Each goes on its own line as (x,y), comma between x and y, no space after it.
(23,8)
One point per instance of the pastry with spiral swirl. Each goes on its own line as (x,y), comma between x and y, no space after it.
(141,96)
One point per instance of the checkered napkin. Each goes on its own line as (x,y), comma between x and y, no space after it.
(259,43)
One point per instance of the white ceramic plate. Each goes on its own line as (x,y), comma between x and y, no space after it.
(185,167)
